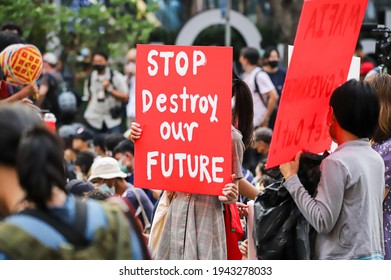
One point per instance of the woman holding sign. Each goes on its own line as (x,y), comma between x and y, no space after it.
(194,226)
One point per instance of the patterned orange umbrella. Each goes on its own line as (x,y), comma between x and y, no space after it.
(21,63)
(26,64)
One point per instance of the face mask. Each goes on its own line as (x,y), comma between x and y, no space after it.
(79,175)
(123,168)
(273,63)
(122,165)
(106,188)
(99,67)
(131,68)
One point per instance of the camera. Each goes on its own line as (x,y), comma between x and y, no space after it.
(383,44)
(116,112)
(101,95)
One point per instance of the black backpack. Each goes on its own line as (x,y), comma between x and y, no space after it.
(280,230)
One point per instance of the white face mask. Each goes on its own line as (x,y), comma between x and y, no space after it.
(131,68)
(79,175)
(106,188)
(123,164)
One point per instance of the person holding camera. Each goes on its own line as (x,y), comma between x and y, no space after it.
(106,90)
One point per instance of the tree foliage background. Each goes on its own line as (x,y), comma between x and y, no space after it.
(114,27)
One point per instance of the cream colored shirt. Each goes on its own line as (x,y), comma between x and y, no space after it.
(99,112)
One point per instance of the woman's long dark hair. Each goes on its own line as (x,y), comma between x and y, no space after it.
(15,119)
(40,165)
(243,112)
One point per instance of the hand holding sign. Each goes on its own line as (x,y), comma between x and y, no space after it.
(291,168)
(230,192)
(135,131)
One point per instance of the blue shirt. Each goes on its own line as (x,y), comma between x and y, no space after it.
(146,203)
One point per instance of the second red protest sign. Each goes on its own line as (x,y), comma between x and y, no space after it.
(324,45)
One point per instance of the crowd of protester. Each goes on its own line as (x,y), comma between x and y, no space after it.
(71,194)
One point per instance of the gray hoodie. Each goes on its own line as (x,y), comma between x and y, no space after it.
(347,209)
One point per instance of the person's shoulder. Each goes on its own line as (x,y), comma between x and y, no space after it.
(21,219)
(119,78)
(261,74)
(385,146)
(258,71)
(129,192)
(117,74)
(95,204)
(281,72)
(142,194)
(236,134)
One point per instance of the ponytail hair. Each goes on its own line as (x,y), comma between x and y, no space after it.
(243,112)
(40,165)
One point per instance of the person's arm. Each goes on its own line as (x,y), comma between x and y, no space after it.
(243,247)
(271,104)
(119,91)
(119,95)
(86,90)
(322,211)
(247,189)
(267,92)
(385,153)
(26,91)
(43,90)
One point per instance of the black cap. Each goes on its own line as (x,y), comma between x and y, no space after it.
(84,134)
(78,187)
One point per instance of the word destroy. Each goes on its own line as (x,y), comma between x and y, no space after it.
(187,102)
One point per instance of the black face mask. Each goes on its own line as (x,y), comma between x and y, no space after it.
(99,67)
(273,63)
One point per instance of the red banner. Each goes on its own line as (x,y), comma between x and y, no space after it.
(183,104)
(324,45)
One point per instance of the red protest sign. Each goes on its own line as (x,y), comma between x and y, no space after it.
(324,45)
(183,104)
